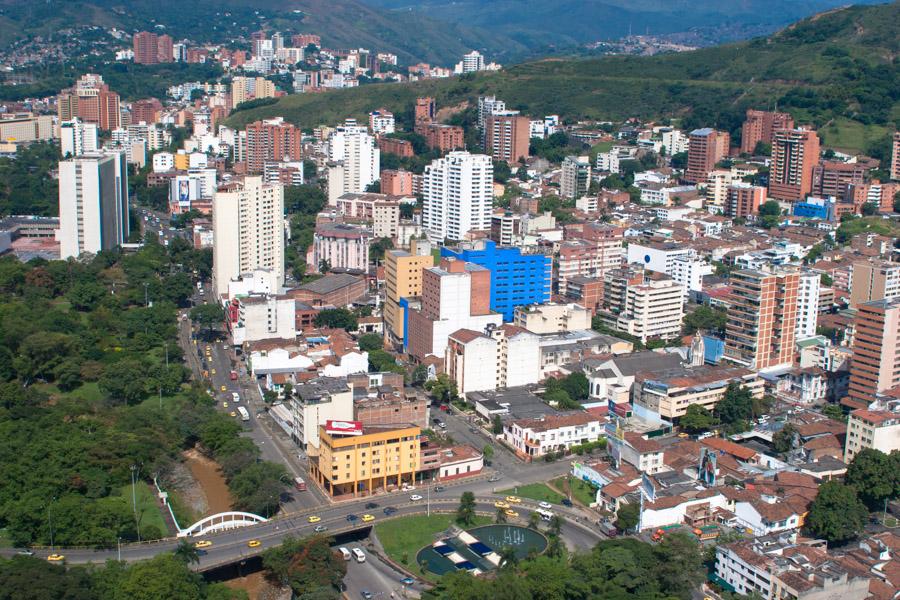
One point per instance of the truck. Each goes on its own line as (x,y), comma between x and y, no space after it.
(707,532)
(299,484)
(245,416)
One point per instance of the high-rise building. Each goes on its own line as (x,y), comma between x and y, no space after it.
(424,114)
(165,49)
(589,257)
(895,157)
(875,366)
(874,280)
(472,62)
(77,138)
(487,106)
(762,321)
(146,48)
(645,304)
(340,246)
(516,279)
(248,228)
(146,111)
(808,291)
(744,200)
(506,136)
(876,429)
(92,102)
(458,196)
(272,140)
(444,137)
(795,152)
(396,182)
(359,159)
(575,179)
(760,126)
(93,203)
(402,280)
(250,88)
(706,147)
(381,121)
(832,178)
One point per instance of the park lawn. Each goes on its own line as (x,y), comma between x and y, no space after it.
(147,508)
(849,135)
(88,391)
(405,536)
(535,491)
(581,491)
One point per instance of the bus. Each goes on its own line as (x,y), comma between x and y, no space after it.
(299,484)
(359,555)
(245,416)
(344,552)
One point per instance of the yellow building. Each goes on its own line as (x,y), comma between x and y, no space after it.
(383,457)
(182,161)
(403,279)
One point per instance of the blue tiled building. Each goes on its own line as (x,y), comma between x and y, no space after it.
(516,279)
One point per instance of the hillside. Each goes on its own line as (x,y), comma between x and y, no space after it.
(535,22)
(341,23)
(839,65)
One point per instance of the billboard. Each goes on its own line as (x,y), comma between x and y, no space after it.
(344,427)
(706,471)
(184,190)
(648,489)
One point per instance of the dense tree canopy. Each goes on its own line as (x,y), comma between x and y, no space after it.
(837,514)
(875,476)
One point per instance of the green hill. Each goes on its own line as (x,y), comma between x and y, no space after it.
(837,67)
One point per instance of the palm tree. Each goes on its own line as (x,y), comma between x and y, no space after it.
(187,553)
(555,525)
(508,558)
(533,521)
(501,516)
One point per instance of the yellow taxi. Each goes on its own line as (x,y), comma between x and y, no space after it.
(683,435)
(513,499)
(56,557)
(254,543)
(224,388)
(510,513)
(501,504)
(313,519)
(203,544)
(232,414)
(367,518)
(212,371)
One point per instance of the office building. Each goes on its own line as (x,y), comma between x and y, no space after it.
(833,179)
(506,136)
(340,246)
(808,291)
(22,128)
(516,279)
(91,101)
(357,157)
(669,392)
(744,200)
(795,152)
(875,429)
(403,279)
(455,295)
(93,204)
(872,280)
(248,228)
(457,195)
(762,320)
(272,140)
(146,50)
(575,179)
(353,459)
(760,126)
(77,138)
(706,147)
(875,367)
(645,304)
(315,403)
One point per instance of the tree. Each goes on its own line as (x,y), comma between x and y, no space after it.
(508,558)
(783,440)
(378,247)
(875,476)
(337,318)
(736,408)
(769,213)
(370,341)
(627,516)
(465,514)
(488,452)
(762,149)
(159,578)
(383,361)
(868,209)
(443,388)
(187,552)
(837,514)
(309,566)
(497,425)
(834,411)
(697,418)
(680,567)
(533,521)
(501,516)
(555,525)
(123,381)
(705,319)
(208,315)
(576,385)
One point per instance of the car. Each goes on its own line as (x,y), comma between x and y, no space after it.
(510,513)
(435,420)
(439,488)
(683,435)
(389,510)
(367,594)
(495,477)
(513,499)
(56,557)
(254,543)
(407,488)
(415,497)
(212,371)
(223,388)
(566,502)
(545,505)
(352,518)
(320,528)
(501,504)
(224,405)
(407,581)
(203,544)
(371,505)
(24,552)
(313,519)
(442,425)
(232,414)
(367,518)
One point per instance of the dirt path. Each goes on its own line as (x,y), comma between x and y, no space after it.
(208,474)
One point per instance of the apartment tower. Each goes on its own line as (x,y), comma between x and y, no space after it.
(875,366)
(795,152)
(272,140)
(760,126)
(506,136)
(706,147)
(458,196)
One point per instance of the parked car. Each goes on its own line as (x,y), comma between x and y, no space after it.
(389,510)
(371,505)
(439,488)
(566,502)
(351,518)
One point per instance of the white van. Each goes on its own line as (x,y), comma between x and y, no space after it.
(344,552)
(359,555)
(546,515)
(235,397)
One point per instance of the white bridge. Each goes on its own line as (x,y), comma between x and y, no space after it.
(221,522)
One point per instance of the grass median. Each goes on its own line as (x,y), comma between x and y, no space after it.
(535,491)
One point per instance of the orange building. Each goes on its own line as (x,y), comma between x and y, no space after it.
(396,182)
(444,137)
(424,114)
(706,147)
(402,148)
(744,200)
(165,49)
(506,136)
(795,153)
(272,140)
(876,355)
(146,48)
(760,126)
